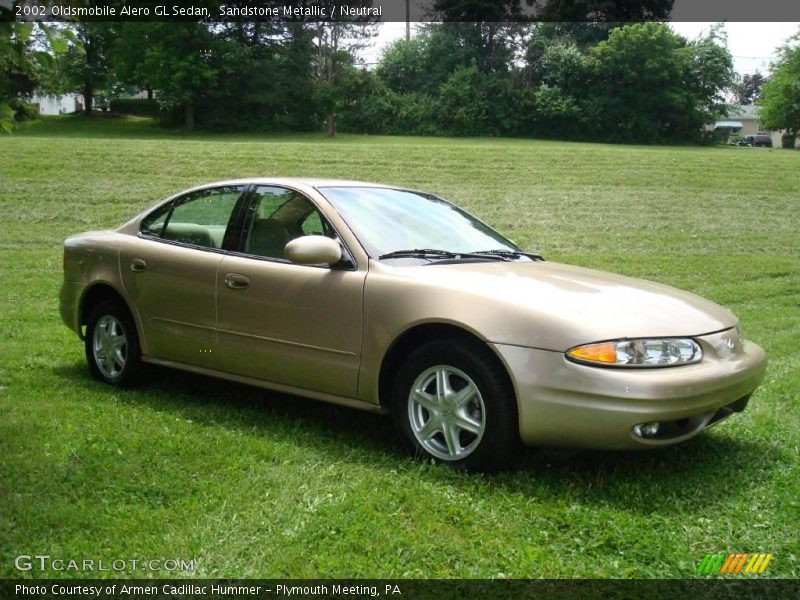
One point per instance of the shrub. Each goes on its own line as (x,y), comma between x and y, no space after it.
(140,107)
(24,111)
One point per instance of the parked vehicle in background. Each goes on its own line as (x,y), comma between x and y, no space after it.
(756,141)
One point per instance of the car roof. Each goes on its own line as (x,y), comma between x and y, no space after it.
(299,183)
(315,182)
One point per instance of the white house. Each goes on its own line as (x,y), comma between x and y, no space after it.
(58,105)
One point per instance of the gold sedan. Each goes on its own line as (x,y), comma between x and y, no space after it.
(392,300)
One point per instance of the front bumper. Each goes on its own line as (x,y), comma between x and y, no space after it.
(565,404)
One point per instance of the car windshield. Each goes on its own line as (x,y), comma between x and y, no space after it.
(388,221)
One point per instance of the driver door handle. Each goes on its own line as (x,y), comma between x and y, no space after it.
(237,281)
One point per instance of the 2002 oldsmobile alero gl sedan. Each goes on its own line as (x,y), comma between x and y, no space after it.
(396,301)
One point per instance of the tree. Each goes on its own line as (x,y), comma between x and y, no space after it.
(403,66)
(650,85)
(181,58)
(452,78)
(237,75)
(554,11)
(748,88)
(636,82)
(475,11)
(87,63)
(463,106)
(131,39)
(780,98)
(555,92)
(708,74)
(337,44)
(24,58)
(18,71)
(603,11)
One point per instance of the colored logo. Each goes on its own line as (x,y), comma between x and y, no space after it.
(736,563)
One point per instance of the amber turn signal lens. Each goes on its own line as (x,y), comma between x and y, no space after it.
(604,352)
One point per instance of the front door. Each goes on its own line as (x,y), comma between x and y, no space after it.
(291,324)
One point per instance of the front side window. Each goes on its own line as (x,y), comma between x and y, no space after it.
(200,218)
(276,217)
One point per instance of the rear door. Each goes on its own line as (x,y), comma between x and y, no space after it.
(170,272)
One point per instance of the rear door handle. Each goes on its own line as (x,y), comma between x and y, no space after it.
(138,265)
(237,281)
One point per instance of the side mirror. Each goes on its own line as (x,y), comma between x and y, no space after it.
(313,250)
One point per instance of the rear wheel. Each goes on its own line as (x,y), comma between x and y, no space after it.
(452,402)
(112,345)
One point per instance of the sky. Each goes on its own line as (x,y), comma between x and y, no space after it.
(752,45)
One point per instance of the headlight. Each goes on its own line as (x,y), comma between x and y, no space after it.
(666,352)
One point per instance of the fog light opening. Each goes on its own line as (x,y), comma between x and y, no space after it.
(647,430)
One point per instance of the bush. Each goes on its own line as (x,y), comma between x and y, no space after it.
(24,111)
(719,136)
(140,107)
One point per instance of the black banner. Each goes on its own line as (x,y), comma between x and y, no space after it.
(399,10)
(263,589)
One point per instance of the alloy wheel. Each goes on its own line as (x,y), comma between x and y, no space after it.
(446,412)
(110,346)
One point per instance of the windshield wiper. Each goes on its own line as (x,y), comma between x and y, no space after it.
(512,254)
(420,253)
(444,254)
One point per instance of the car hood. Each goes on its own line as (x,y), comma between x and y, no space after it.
(556,306)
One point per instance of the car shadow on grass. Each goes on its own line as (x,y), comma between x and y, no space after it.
(700,474)
(211,401)
(707,470)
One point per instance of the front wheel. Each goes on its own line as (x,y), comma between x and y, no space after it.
(452,402)
(112,345)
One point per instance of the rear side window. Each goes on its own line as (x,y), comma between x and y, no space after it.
(199,219)
(153,223)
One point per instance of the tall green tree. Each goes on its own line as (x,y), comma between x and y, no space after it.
(26,54)
(708,74)
(453,78)
(553,92)
(18,70)
(603,11)
(131,40)
(86,66)
(337,46)
(649,85)
(183,60)
(780,99)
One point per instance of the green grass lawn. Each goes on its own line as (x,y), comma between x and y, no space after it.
(254,484)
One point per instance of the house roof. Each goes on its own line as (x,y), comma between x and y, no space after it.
(744,111)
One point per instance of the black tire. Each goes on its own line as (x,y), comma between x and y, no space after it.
(113,317)
(497,444)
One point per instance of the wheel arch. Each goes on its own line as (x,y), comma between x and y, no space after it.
(420,334)
(102,291)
